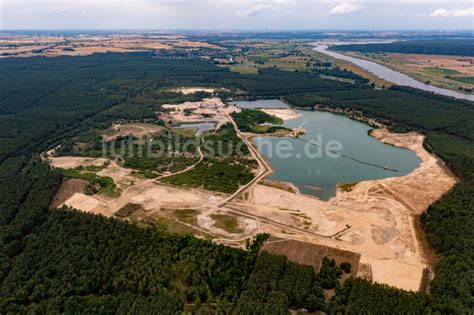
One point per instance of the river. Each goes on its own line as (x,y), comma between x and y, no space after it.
(391,75)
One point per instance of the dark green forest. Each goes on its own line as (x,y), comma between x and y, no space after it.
(430,47)
(63,261)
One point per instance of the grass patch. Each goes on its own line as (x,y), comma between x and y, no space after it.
(467,80)
(144,174)
(248,119)
(330,77)
(127,210)
(224,143)
(167,153)
(148,166)
(101,185)
(261,128)
(185,132)
(175,227)
(287,64)
(226,165)
(268,129)
(95,168)
(227,223)
(186,215)
(222,176)
(441,71)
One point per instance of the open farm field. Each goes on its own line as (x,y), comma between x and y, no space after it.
(452,72)
(31,46)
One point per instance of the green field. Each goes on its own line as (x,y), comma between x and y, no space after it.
(97,184)
(227,223)
(441,71)
(186,215)
(467,80)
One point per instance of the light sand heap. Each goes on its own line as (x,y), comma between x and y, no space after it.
(190,90)
(376,219)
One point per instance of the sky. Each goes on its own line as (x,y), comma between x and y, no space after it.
(236,15)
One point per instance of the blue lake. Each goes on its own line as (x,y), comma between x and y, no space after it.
(319,175)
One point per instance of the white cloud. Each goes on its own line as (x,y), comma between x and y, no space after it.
(256,10)
(345,8)
(469,12)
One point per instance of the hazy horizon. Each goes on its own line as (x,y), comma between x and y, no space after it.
(237,15)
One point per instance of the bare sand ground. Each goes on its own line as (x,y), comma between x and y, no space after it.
(376,218)
(89,204)
(145,192)
(311,254)
(285,114)
(380,214)
(137,129)
(190,90)
(122,177)
(67,189)
(246,226)
(66,162)
(209,110)
(151,196)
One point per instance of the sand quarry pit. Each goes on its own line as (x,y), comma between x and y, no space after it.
(145,192)
(375,219)
(208,110)
(133,189)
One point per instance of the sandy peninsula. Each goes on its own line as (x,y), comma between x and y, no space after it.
(285,114)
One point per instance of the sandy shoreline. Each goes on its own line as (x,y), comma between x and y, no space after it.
(381,215)
(285,114)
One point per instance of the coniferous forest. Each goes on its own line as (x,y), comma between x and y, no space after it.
(63,261)
(431,47)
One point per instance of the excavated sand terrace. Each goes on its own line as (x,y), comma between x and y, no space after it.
(381,215)
(376,218)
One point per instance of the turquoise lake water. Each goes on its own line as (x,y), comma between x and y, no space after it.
(318,175)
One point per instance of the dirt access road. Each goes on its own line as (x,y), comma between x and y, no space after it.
(265,168)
